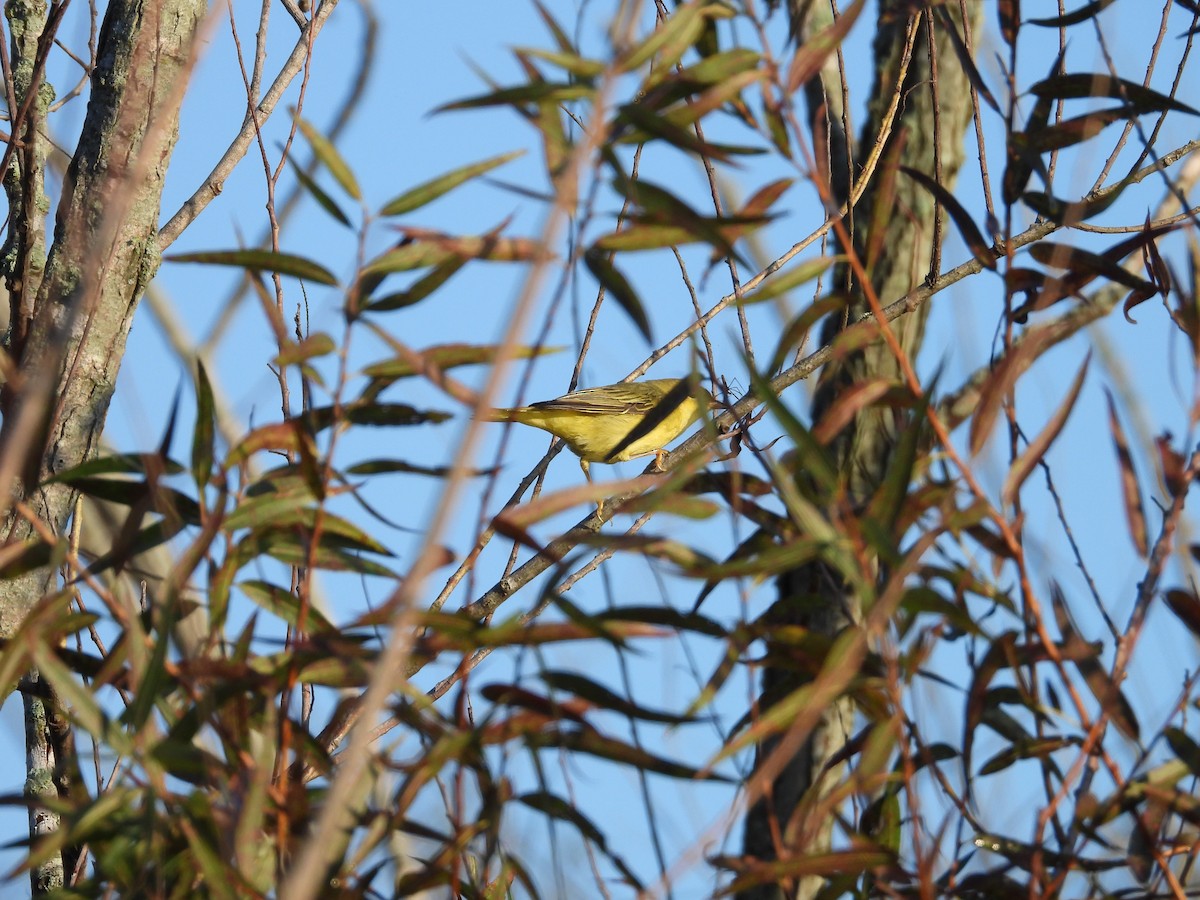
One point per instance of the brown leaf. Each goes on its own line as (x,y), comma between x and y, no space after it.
(847,405)
(1172,465)
(1010,19)
(1135,511)
(1037,448)
(811,55)
(1186,606)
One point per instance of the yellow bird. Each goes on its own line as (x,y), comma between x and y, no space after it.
(617,422)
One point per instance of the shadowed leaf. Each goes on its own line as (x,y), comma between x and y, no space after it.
(260,261)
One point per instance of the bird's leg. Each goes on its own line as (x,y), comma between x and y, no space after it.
(660,459)
(587,473)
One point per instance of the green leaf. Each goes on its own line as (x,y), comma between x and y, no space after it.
(611,279)
(427,250)
(580,66)
(674,37)
(284,604)
(557,808)
(598,745)
(1083,14)
(378,415)
(425,193)
(22,557)
(283,513)
(418,291)
(260,261)
(125,548)
(781,282)
(664,616)
(204,436)
(602,697)
(118,464)
(323,199)
(163,499)
(521,95)
(319,344)
(399,467)
(331,159)
(448,356)
(292,549)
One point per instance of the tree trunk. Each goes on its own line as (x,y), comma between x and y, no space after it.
(68,329)
(786,822)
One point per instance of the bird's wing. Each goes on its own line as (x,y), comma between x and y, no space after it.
(606,401)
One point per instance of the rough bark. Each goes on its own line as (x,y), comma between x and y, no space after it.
(68,331)
(812,596)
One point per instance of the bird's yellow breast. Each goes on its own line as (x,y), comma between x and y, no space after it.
(593,437)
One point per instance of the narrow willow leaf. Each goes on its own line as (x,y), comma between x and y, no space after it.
(556,808)
(1079,85)
(580,66)
(681,29)
(1037,448)
(118,464)
(1184,747)
(260,261)
(205,434)
(980,249)
(429,191)
(1083,14)
(22,557)
(1009,12)
(332,160)
(285,437)
(812,53)
(323,199)
(125,548)
(423,249)
(284,604)
(449,356)
(134,493)
(378,415)
(1186,607)
(611,279)
(1135,511)
(522,94)
(319,344)
(601,697)
(964,58)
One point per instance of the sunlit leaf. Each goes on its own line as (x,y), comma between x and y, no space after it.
(429,191)
(324,150)
(319,344)
(284,604)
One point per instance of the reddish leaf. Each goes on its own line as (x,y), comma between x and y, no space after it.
(971,235)
(1186,606)
(1037,448)
(1135,511)
(811,55)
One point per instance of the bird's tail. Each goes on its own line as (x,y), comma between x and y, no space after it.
(501,415)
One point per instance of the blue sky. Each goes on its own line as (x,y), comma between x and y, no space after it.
(427,55)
